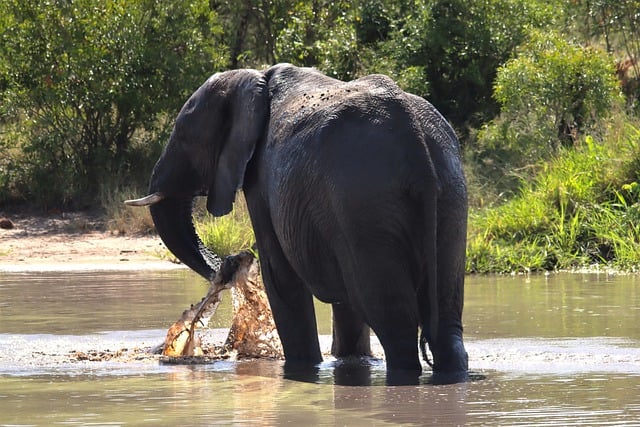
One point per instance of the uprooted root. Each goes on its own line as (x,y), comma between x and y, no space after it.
(181,339)
(252,333)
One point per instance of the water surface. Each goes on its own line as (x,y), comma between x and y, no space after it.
(555,350)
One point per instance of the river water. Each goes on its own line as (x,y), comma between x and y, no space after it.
(562,349)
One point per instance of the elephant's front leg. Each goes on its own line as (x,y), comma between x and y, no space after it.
(290,300)
(351,336)
(293,312)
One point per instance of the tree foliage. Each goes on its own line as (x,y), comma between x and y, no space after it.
(449,50)
(557,87)
(318,33)
(89,88)
(83,78)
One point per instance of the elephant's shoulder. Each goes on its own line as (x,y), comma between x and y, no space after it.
(376,80)
(285,79)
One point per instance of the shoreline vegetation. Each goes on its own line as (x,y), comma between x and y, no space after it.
(580,210)
(544,96)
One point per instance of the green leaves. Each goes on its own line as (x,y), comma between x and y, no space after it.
(582,208)
(556,83)
(90,82)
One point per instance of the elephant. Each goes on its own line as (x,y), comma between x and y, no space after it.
(357,196)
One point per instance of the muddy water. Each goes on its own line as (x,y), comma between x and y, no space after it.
(556,350)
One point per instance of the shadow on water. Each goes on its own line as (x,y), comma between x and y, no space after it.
(556,350)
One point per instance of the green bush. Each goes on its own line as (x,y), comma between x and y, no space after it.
(582,208)
(551,94)
(557,88)
(83,81)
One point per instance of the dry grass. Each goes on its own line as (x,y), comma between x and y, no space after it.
(122,219)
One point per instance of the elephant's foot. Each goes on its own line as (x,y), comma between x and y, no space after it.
(351,336)
(403,365)
(303,371)
(403,377)
(441,378)
(450,361)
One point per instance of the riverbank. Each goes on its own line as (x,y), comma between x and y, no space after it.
(75,241)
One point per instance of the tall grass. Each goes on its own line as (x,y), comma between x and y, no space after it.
(228,234)
(122,219)
(581,209)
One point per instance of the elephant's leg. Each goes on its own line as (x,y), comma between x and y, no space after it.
(293,311)
(399,339)
(351,336)
(450,356)
(290,300)
(385,294)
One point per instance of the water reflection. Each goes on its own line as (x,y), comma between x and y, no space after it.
(86,302)
(557,305)
(557,350)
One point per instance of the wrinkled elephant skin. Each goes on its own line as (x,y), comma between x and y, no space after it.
(356,195)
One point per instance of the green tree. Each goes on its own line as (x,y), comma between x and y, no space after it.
(551,94)
(556,85)
(250,28)
(449,50)
(334,36)
(83,80)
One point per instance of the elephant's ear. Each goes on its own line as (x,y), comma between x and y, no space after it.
(247,115)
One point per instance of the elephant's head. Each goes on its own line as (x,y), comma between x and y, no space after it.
(212,141)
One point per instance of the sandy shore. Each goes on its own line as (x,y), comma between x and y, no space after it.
(75,242)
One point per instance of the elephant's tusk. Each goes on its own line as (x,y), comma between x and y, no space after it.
(149,200)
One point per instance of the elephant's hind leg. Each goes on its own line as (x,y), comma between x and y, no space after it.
(386,297)
(449,354)
(351,336)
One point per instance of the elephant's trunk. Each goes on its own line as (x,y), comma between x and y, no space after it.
(174,223)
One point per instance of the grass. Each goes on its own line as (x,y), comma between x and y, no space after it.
(228,234)
(581,209)
(122,219)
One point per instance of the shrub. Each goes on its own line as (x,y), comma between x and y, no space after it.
(80,81)
(583,208)
(555,88)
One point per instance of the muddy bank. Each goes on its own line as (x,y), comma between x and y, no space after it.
(75,241)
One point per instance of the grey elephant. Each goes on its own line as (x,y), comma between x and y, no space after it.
(356,194)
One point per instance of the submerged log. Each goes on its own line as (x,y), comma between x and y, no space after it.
(252,333)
